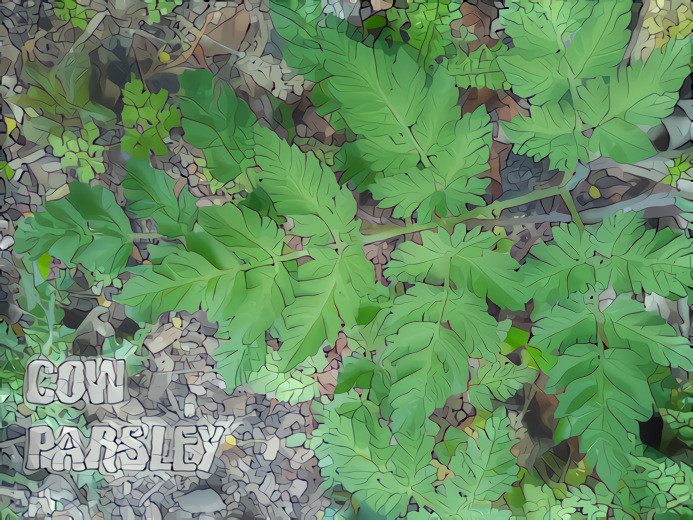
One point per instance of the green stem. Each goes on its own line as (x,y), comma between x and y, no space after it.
(147,236)
(490,212)
(568,199)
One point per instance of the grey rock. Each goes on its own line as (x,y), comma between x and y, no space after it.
(201,501)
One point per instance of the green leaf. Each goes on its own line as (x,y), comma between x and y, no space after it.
(148,120)
(555,269)
(606,393)
(551,132)
(328,292)
(303,188)
(485,470)
(87,227)
(447,186)
(540,31)
(465,313)
(426,367)
(642,259)
(599,43)
(646,333)
(620,251)
(230,271)
(466,258)
(357,372)
(622,141)
(216,121)
(645,93)
(383,477)
(623,323)
(497,380)
(150,193)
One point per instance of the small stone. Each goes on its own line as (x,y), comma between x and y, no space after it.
(271,449)
(201,501)
(298,487)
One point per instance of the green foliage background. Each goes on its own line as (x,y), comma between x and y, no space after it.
(282,260)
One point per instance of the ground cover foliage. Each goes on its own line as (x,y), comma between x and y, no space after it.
(470,347)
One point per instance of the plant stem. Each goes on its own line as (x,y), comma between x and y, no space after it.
(147,236)
(568,199)
(490,212)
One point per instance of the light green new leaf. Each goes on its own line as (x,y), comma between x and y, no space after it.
(148,120)
(479,68)
(87,227)
(657,488)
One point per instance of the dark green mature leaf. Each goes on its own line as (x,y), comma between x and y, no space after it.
(550,131)
(621,323)
(620,251)
(498,380)
(449,184)
(87,227)
(485,470)
(466,259)
(216,121)
(150,193)
(606,393)
(465,313)
(303,188)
